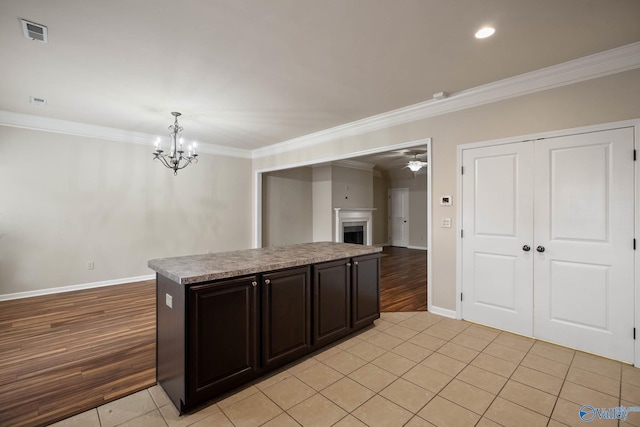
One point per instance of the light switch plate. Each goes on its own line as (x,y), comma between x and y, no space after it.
(168,300)
(446,223)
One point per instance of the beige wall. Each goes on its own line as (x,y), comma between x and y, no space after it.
(602,100)
(297,203)
(287,207)
(351,188)
(322,209)
(67,200)
(417,208)
(380,215)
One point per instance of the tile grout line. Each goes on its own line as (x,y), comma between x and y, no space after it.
(561,387)
(469,364)
(509,379)
(413,414)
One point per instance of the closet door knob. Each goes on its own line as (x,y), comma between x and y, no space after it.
(540,249)
(526,248)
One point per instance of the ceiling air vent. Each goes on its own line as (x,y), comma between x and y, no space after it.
(38,101)
(34,31)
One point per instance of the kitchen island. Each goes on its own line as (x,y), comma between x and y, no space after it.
(225,319)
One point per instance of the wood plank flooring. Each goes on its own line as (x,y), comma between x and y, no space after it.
(403,279)
(66,353)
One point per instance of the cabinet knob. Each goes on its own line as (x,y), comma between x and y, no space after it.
(348,264)
(355,263)
(267,281)
(254,283)
(540,249)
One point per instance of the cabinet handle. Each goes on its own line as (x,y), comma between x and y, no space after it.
(348,264)
(526,248)
(254,283)
(267,281)
(355,263)
(540,249)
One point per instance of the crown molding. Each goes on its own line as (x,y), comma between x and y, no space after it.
(589,67)
(46,124)
(352,164)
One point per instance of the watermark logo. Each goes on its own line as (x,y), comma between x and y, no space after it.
(588,413)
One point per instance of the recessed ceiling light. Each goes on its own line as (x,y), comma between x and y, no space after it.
(485,32)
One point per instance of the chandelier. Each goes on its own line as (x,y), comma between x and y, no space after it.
(175,159)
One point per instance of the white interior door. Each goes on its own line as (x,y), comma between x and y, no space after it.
(497,222)
(399,217)
(584,279)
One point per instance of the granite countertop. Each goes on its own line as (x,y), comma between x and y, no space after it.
(192,269)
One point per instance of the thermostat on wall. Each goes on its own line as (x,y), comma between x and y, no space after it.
(446,200)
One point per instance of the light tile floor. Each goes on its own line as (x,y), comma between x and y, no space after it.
(410,369)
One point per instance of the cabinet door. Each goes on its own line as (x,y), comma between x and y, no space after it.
(286,316)
(365,290)
(332,302)
(222,336)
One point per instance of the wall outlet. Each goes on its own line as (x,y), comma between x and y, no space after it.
(90,265)
(446,223)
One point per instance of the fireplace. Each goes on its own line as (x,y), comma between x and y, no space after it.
(353,234)
(354,225)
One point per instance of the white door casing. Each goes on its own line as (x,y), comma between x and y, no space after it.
(584,213)
(497,223)
(582,284)
(399,217)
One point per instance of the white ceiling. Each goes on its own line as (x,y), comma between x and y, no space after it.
(251,73)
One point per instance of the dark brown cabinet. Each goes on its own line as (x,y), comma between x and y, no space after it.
(215,336)
(223,350)
(346,296)
(332,301)
(286,316)
(365,290)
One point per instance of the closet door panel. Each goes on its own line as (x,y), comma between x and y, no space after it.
(584,220)
(497,223)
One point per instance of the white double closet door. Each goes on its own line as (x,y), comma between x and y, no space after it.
(547,249)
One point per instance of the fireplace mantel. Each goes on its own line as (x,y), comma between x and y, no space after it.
(345,217)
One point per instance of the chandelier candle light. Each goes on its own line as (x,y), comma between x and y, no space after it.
(175,159)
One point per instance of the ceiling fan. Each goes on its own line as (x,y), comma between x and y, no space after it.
(414,164)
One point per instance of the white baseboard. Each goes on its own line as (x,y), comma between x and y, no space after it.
(443,311)
(40,292)
(422,248)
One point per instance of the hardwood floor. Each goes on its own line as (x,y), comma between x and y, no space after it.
(403,279)
(66,353)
